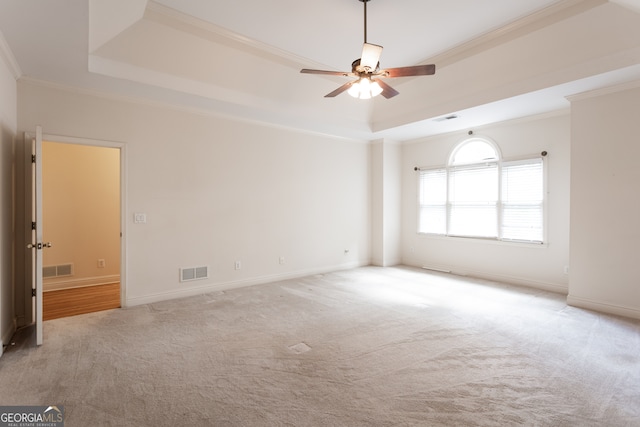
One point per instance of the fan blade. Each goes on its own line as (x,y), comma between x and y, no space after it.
(331,73)
(341,89)
(370,57)
(387,91)
(418,70)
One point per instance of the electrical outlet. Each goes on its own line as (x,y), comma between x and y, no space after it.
(140,218)
(238,265)
(281,260)
(101,263)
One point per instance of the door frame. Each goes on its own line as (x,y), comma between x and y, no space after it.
(123,196)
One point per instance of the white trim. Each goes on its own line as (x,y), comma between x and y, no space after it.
(138,74)
(186,23)
(558,288)
(7,55)
(7,335)
(603,307)
(182,108)
(515,121)
(605,91)
(260,110)
(519,281)
(385,141)
(236,284)
(464,141)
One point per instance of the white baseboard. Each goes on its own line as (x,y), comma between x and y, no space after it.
(603,307)
(496,277)
(80,283)
(521,281)
(7,335)
(387,263)
(225,286)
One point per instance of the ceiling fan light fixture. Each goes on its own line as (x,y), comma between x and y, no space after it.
(368,66)
(375,89)
(365,88)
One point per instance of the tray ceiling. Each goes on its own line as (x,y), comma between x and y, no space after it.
(242,59)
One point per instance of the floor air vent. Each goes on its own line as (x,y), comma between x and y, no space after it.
(194,273)
(57,271)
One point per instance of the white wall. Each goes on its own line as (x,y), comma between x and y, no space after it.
(386,202)
(605,201)
(8,125)
(540,266)
(216,191)
(392,206)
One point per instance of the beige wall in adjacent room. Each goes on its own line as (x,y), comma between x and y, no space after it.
(81,212)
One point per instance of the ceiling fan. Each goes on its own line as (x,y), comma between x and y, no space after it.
(367,70)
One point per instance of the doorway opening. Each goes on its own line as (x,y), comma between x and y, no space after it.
(81,199)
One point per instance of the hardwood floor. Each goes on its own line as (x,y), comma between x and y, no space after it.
(71,302)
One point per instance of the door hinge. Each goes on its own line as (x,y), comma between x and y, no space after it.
(33,292)
(33,158)
(33,225)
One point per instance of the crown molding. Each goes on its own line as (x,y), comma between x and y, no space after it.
(186,23)
(508,122)
(605,91)
(185,109)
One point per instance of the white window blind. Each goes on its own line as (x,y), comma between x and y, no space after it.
(523,200)
(433,201)
(473,197)
(485,198)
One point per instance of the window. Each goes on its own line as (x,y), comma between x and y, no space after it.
(479,195)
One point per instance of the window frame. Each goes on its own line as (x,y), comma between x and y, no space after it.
(500,203)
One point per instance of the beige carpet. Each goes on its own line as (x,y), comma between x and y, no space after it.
(364,347)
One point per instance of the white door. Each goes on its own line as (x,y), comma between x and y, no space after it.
(36,246)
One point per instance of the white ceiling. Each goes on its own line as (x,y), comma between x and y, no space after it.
(242,58)
(330,32)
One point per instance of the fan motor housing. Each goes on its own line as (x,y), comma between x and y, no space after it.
(356,68)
